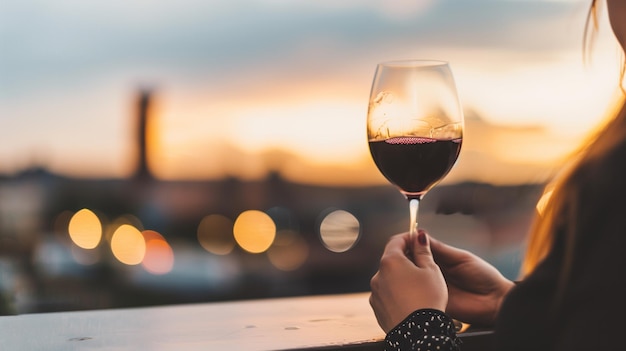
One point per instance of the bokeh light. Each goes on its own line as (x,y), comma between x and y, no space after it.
(215,234)
(159,257)
(289,251)
(85,229)
(339,231)
(254,231)
(128,245)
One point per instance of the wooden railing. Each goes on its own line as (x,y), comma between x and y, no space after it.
(327,322)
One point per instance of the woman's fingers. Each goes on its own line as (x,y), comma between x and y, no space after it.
(422,256)
(416,249)
(398,245)
(446,255)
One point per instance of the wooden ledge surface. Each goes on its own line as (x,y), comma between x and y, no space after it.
(269,324)
(325,322)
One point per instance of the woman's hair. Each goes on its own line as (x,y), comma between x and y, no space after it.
(559,210)
(590,32)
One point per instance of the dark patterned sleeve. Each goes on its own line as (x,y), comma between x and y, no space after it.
(423,330)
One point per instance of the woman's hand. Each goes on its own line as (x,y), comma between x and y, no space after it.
(475,288)
(402,284)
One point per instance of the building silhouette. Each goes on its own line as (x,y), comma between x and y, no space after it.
(144,114)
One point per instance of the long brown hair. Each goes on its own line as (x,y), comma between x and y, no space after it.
(561,206)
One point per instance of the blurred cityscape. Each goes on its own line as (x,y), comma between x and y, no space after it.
(73,244)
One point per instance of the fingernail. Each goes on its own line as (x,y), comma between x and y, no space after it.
(421,238)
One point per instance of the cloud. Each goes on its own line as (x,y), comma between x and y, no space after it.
(67,35)
(65,60)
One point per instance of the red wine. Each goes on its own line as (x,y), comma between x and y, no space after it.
(415,164)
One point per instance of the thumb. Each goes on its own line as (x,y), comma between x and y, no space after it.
(422,256)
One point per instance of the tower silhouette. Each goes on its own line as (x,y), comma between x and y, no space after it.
(142,172)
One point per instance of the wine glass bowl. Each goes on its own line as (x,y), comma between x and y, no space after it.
(414,126)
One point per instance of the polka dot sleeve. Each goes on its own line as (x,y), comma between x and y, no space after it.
(423,330)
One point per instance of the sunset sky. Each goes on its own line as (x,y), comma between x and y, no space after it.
(246,85)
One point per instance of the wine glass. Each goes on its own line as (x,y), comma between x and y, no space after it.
(414,126)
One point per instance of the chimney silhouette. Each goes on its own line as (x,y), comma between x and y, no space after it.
(142,172)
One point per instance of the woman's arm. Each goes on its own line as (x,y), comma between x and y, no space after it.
(409,295)
(424,329)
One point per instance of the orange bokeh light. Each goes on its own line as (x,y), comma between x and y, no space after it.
(215,234)
(85,229)
(128,245)
(289,251)
(254,231)
(159,257)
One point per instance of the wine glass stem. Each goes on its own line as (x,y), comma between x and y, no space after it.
(413,209)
